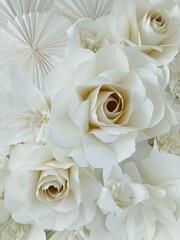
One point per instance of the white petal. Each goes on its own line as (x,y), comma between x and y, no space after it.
(36,232)
(153,92)
(98,154)
(77,153)
(141,118)
(106,203)
(65,132)
(124,146)
(166,166)
(20,155)
(5,215)
(131,169)
(90,187)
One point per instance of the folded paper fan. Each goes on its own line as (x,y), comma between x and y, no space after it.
(9,9)
(76,9)
(35,42)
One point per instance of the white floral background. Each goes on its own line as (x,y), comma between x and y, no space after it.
(89,119)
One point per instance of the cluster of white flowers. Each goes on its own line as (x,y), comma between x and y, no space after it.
(89,119)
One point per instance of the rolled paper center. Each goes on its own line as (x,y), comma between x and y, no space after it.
(52,190)
(111,105)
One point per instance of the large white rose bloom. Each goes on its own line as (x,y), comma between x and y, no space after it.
(143,200)
(151,26)
(49,190)
(112,100)
(9,229)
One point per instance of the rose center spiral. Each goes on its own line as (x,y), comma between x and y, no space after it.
(111,105)
(52,190)
(159,19)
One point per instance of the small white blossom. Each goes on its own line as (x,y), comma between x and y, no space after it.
(169,142)
(11,230)
(24,111)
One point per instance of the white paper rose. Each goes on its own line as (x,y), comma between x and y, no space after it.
(139,200)
(93,35)
(151,26)
(112,100)
(52,192)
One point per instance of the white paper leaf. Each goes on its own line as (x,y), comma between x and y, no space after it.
(76,9)
(35,42)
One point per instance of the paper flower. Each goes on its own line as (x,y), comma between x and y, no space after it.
(35,42)
(110,103)
(151,26)
(138,201)
(90,119)
(24,113)
(61,196)
(93,35)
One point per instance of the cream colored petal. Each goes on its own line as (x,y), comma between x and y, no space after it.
(141,118)
(150,81)
(36,232)
(124,146)
(62,126)
(106,137)
(97,153)
(5,215)
(77,154)
(82,118)
(90,186)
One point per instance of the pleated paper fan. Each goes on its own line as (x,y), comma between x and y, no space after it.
(76,9)
(9,9)
(35,42)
